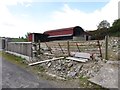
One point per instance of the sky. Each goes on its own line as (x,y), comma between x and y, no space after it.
(17,17)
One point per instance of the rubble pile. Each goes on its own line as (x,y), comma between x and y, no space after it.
(114,48)
(72,69)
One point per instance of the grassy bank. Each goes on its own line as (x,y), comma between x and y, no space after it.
(14,59)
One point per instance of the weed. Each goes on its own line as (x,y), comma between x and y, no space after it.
(14,59)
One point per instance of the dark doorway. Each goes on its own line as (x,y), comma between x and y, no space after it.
(87,38)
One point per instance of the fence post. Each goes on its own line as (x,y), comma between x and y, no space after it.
(39,48)
(106,47)
(77,47)
(6,45)
(68,47)
(34,50)
(31,53)
(99,48)
(118,48)
(61,48)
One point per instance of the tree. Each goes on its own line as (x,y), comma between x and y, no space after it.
(116,23)
(26,36)
(115,29)
(103,25)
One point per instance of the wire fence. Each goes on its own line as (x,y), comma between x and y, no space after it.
(61,48)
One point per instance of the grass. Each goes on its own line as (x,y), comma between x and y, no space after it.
(39,68)
(20,62)
(0,53)
(14,59)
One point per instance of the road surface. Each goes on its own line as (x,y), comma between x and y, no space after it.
(16,77)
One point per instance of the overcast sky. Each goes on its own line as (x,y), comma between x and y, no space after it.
(17,17)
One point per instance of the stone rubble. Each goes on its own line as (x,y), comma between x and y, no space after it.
(68,68)
(72,69)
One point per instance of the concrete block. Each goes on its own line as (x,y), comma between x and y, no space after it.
(83,55)
(107,76)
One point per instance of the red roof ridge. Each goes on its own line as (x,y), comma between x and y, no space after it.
(59,29)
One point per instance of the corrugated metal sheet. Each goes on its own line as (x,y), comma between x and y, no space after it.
(60,32)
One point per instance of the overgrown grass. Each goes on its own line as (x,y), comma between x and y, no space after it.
(21,62)
(39,68)
(0,53)
(14,59)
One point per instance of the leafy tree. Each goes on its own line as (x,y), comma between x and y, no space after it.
(103,24)
(116,23)
(115,29)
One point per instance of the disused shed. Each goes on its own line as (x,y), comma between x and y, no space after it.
(72,33)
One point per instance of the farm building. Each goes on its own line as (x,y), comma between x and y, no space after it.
(74,33)
(35,37)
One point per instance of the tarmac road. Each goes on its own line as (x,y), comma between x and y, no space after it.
(16,77)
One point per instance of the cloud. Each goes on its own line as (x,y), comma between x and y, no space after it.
(89,21)
(24,15)
(28,5)
(8,24)
(13,26)
(14,2)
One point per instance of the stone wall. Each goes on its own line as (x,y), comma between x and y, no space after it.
(23,48)
(113,48)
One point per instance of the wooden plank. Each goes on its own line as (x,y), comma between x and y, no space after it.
(32,64)
(77,59)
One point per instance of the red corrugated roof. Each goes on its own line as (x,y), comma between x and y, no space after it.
(60,32)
